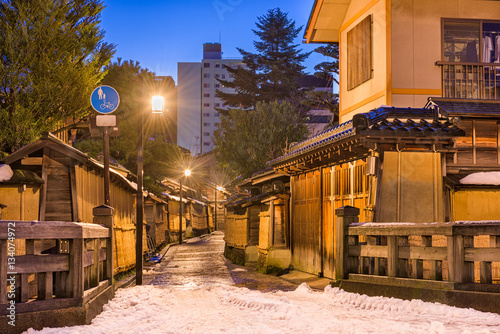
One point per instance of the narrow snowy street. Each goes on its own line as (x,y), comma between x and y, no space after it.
(195,290)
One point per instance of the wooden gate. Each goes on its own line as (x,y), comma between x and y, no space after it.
(306,219)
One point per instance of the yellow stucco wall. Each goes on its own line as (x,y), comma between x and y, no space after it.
(21,205)
(476,204)
(371,93)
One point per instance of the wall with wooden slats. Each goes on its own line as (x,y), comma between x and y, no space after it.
(90,193)
(404,175)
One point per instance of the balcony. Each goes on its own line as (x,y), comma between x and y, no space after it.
(474,81)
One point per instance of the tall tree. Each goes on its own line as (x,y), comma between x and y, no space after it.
(51,57)
(270,73)
(247,139)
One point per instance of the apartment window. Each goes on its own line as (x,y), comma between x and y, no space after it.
(359,53)
(206,143)
(216,124)
(206,85)
(463,42)
(217,85)
(216,114)
(231,75)
(206,65)
(471,59)
(206,75)
(206,114)
(206,124)
(206,134)
(217,76)
(216,105)
(206,95)
(217,65)
(223,76)
(206,104)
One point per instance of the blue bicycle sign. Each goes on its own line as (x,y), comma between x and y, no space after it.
(104,99)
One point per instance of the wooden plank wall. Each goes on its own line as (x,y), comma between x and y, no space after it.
(58,205)
(90,193)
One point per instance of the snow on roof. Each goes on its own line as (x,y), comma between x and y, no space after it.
(485,178)
(5,172)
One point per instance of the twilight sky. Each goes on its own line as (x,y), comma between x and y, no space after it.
(161,33)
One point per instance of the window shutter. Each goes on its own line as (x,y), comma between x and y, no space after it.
(359,66)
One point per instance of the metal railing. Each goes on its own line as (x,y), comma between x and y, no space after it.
(470,80)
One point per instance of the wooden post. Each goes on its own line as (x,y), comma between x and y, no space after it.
(3,271)
(44,282)
(436,265)
(456,257)
(485,269)
(468,274)
(103,215)
(271,225)
(392,256)
(403,263)
(76,268)
(345,216)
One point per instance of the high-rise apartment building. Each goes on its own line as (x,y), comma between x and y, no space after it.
(197,98)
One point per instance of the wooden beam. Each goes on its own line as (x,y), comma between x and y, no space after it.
(35,161)
(43,192)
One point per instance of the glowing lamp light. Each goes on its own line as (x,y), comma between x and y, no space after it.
(187,172)
(157,103)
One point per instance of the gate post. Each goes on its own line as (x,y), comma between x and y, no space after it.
(103,215)
(345,216)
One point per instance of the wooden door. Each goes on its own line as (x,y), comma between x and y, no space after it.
(306,219)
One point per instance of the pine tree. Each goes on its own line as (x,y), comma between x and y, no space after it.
(270,73)
(51,58)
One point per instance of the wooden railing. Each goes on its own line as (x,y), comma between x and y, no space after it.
(51,265)
(458,255)
(470,80)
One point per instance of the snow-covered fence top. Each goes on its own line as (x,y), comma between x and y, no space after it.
(457,255)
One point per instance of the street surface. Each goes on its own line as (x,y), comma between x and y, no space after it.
(201,261)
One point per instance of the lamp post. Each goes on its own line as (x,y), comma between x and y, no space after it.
(157,104)
(187,172)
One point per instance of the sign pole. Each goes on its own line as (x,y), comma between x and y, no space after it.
(105,100)
(106,166)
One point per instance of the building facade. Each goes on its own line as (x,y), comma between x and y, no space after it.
(197,100)
(401,52)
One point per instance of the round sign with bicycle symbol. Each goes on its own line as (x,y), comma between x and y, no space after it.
(104,99)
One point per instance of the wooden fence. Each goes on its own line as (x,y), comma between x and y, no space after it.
(63,264)
(456,255)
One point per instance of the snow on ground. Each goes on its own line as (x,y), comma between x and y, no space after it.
(228,309)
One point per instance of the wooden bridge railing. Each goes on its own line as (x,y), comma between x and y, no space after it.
(50,265)
(457,255)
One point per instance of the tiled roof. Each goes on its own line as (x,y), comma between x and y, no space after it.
(381,122)
(478,108)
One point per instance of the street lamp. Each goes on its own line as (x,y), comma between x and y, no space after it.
(187,173)
(157,106)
